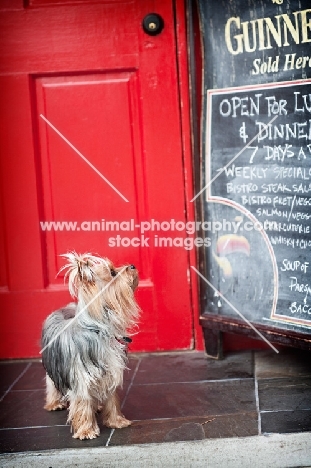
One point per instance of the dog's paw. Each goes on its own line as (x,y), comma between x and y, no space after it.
(118,423)
(90,433)
(55,406)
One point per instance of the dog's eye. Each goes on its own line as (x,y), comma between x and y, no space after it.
(113,273)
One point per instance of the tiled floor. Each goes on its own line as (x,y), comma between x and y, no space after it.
(170,397)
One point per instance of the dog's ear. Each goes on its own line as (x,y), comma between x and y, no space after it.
(83,270)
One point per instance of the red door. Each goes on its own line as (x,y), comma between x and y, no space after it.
(90,134)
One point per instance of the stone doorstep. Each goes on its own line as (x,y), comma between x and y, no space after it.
(270,450)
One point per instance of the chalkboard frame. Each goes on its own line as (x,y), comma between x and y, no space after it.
(213,324)
(289,337)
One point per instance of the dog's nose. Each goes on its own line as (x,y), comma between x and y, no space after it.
(132,267)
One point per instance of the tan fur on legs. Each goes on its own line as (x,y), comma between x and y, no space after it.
(83,420)
(54,399)
(112,413)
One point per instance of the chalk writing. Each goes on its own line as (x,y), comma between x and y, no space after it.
(272,178)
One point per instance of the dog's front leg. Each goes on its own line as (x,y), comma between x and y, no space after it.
(112,413)
(82,418)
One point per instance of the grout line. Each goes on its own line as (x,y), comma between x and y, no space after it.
(257,406)
(5,362)
(159,354)
(257,394)
(29,390)
(30,427)
(15,381)
(236,379)
(195,416)
(285,410)
(257,398)
(126,395)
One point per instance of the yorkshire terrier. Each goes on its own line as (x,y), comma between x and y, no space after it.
(85,343)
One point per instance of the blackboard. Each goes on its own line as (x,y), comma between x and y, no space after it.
(256,161)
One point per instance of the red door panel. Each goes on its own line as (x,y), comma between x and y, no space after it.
(96,114)
(112,93)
